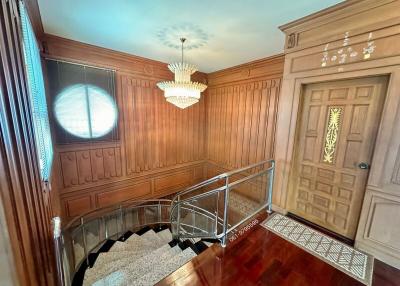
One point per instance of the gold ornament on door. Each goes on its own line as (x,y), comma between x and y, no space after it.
(332,134)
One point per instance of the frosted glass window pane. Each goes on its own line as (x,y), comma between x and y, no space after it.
(37,95)
(85,111)
(103,112)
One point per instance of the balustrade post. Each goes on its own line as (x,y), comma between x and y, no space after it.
(84,243)
(270,186)
(178,220)
(58,250)
(216,216)
(226,205)
(159,210)
(193,218)
(122,222)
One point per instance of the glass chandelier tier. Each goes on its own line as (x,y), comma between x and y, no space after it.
(182,92)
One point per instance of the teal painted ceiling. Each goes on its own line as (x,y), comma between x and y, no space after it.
(220,33)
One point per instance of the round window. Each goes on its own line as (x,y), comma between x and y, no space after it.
(85,111)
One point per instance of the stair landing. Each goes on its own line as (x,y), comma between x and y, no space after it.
(260,257)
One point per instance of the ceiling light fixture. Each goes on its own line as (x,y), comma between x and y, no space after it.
(182,92)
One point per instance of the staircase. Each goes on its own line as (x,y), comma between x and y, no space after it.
(143,258)
(99,248)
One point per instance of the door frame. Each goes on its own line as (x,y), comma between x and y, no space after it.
(306,41)
(289,110)
(291,176)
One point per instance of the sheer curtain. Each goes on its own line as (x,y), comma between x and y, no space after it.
(37,95)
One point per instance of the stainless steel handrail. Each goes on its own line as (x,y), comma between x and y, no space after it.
(66,262)
(219,177)
(177,202)
(162,213)
(125,204)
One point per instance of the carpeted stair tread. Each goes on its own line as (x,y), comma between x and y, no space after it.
(137,268)
(152,238)
(107,257)
(120,246)
(102,270)
(165,235)
(144,258)
(134,237)
(136,242)
(160,271)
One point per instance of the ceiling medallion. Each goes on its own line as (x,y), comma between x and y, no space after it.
(182,92)
(197,36)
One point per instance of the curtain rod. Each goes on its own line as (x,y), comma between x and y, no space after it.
(79,64)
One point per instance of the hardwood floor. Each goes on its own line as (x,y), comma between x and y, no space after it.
(385,275)
(262,258)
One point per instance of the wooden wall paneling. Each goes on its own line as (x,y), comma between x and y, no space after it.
(241,110)
(271,67)
(241,122)
(263,124)
(69,50)
(97,164)
(69,169)
(156,138)
(303,62)
(78,205)
(241,126)
(84,168)
(150,185)
(253,134)
(156,124)
(128,126)
(110,198)
(8,271)
(376,234)
(223,126)
(235,126)
(272,115)
(27,206)
(329,25)
(249,104)
(210,116)
(156,130)
(219,122)
(173,182)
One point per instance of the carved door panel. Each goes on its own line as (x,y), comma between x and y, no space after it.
(336,134)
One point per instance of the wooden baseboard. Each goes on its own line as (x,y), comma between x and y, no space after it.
(319,228)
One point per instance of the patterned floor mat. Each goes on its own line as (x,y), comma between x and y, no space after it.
(341,256)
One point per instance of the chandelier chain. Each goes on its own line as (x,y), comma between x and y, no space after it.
(182,41)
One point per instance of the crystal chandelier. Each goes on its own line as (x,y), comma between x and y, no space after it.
(182,92)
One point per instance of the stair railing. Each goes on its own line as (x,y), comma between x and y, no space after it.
(74,242)
(263,172)
(187,215)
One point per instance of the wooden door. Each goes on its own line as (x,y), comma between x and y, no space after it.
(336,133)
